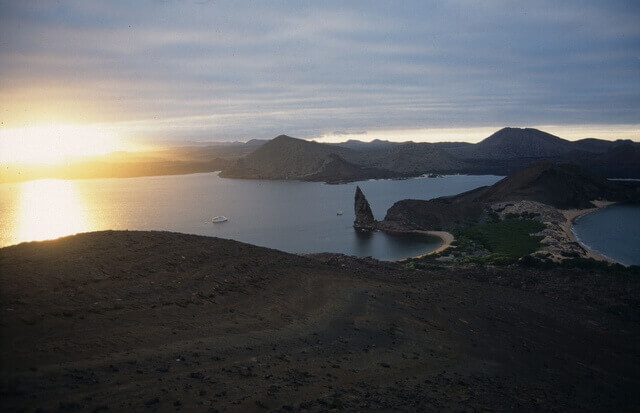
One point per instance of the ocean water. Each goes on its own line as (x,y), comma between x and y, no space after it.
(298,217)
(613,231)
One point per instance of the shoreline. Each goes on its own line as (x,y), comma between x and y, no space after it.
(566,227)
(446,237)
(571,215)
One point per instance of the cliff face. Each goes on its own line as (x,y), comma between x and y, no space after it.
(364,217)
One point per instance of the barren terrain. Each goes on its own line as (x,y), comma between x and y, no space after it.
(156,321)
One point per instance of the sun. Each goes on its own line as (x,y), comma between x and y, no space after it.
(56,143)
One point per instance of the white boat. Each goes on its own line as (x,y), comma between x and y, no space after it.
(219,218)
(339,213)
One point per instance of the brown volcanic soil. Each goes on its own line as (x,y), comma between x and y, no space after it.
(158,321)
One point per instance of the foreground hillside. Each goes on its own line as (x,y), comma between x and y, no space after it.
(162,321)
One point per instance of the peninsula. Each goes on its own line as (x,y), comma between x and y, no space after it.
(544,196)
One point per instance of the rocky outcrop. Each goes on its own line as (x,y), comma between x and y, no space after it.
(442,214)
(364,217)
(558,242)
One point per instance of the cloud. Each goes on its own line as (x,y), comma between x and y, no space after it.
(344,132)
(229,70)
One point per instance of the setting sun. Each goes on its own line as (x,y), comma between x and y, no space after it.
(50,144)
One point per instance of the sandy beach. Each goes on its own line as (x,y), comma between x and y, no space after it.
(571,215)
(446,237)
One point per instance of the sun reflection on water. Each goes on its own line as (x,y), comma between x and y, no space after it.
(50,208)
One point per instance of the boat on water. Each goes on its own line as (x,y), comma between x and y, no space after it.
(339,213)
(219,218)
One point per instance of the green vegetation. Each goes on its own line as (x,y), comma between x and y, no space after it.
(506,241)
(524,215)
(491,243)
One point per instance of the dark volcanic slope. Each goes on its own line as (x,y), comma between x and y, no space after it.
(130,321)
(336,170)
(598,145)
(375,144)
(440,214)
(511,149)
(290,158)
(561,186)
(504,152)
(409,159)
(284,158)
(513,143)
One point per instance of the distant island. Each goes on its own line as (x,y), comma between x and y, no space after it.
(174,160)
(504,152)
(285,157)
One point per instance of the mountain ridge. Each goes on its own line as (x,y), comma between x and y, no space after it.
(505,151)
(511,143)
(285,157)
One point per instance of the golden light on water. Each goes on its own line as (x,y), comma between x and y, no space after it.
(55,143)
(49,208)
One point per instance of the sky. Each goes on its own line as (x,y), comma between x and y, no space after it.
(202,70)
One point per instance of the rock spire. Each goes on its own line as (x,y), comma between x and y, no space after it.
(364,216)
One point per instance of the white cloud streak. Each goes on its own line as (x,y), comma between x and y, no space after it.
(238,70)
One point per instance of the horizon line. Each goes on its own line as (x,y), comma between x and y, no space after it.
(431,135)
